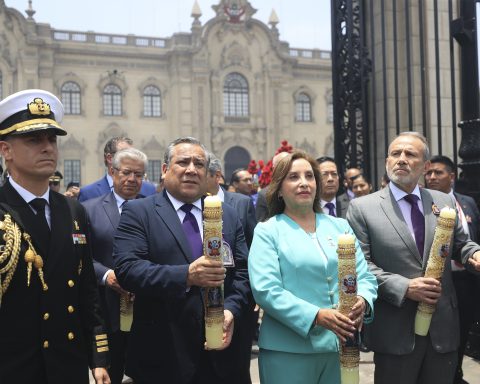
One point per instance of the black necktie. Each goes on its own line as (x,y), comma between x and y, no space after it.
(42,228)
(418,222)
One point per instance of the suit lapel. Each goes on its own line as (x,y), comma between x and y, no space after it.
(430,223)
(61,228)
(168,215)
(110,206)
(394,215)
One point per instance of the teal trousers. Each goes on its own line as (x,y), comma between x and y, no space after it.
(298,368)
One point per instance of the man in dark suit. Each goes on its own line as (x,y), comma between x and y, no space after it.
(395,227)
(331,205)
(51,328)
(158,257)
(105,184)
(243,205)
(441,176)
(128,170)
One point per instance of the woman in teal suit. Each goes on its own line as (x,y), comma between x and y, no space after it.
(293,270)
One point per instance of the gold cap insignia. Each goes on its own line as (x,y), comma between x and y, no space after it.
(39,107)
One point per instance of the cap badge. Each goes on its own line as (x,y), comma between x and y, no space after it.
(39,107)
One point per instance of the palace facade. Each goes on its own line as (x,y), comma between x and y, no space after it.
(230,82)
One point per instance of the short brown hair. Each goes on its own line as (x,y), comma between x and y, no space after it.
(275,204)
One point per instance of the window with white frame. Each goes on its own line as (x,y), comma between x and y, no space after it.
(71,98)
(154,170)
(235,96)
(112,100)
(303,108)
(71,171)
(152,102)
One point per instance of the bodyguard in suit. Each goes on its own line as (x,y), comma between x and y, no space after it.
(331,205)
(158,257)
(395,227)
(51,328)
(105,184)
(441,177)
(243,205)
(128,170)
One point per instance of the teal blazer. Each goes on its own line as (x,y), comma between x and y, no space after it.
(291,280)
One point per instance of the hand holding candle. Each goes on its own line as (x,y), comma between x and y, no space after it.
(436,264)
(212,249)
(347,288)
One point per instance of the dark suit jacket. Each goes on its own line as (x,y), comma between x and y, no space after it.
(246,212)
(30,317)
(342,205)
(470,209)
(103,218)
(261,209)
(393,258)
(101,187)
(152,257)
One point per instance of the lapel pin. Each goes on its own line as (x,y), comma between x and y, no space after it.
(435,210)
(75,225)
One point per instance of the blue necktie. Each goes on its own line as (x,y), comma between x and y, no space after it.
(190,227)
(331,209)
(418,222)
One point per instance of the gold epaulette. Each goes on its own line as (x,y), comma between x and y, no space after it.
(10,252)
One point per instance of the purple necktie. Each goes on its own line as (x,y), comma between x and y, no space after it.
(190,227)
(331,209)
(418,222)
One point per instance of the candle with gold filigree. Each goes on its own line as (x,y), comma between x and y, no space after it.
(347,297)
(212,248)
(436,263)
(126,312)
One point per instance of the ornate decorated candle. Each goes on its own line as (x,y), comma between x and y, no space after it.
(347,294)
(212,248)
(436,264)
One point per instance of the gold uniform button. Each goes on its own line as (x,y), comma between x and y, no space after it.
(46,315)
(45,344)
(70,309)
(70,336)
(71,283)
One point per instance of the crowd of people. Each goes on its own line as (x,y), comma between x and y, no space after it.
(71,262)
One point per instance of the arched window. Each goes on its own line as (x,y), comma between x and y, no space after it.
(152,102)
(235,96)
(71,98)
(112,100)
(235,157)
(303,108)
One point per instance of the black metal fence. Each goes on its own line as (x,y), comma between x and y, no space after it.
(395,68)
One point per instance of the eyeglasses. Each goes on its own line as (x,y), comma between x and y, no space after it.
(128,173)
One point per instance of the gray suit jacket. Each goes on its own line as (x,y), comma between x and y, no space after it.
(394,259)
(103,218)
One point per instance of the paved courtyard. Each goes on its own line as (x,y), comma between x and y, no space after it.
(471,369)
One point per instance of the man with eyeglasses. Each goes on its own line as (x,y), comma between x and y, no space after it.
(330,203)
(127,170)
(105,184)
(158,254)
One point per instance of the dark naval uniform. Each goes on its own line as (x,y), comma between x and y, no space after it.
(51,329)
(51,336)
